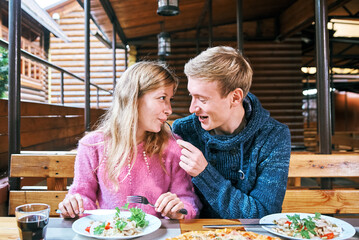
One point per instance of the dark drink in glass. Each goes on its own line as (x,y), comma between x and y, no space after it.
(32,220)
(32,227)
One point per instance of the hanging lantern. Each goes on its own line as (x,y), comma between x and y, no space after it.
(168,7)
(164,44)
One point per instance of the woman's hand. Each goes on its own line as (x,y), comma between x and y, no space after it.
(71,206)
(168,204)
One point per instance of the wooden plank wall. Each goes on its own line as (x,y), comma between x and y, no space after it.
(44,127)
(71,56)
(276,80)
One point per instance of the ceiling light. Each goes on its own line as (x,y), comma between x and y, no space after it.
(164,44)
(168,7)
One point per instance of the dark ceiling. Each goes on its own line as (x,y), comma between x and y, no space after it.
(202,21)
(137,23)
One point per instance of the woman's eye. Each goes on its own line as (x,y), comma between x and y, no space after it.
(163,98)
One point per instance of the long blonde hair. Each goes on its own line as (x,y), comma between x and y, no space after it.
(120,122)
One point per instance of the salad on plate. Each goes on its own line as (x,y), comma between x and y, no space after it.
(119,225)
(307,227)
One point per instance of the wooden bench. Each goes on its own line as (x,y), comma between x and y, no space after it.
(57,168)
(333,201)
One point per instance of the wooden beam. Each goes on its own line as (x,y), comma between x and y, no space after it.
(53,166)
(324,165)
(301,14)
(52,198)
(323,201)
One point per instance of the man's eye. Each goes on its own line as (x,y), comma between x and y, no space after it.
(202,100)
(163,98)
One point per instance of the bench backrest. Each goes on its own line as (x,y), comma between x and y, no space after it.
(57,168)
(333,201)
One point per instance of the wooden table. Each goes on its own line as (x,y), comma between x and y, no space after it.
(60,229)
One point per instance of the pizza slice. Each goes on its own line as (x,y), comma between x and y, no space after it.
(222,234)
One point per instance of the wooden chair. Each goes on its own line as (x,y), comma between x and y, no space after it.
(333,201)
(56,169)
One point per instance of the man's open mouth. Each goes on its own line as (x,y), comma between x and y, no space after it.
(203,117)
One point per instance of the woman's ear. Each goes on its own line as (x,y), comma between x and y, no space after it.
(237,96)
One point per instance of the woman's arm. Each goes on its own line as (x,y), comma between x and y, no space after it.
(85,181)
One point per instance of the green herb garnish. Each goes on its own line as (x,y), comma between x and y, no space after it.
(317,215)
(139,217)
(120,225)
(99,229)
(304,226)
(126,206)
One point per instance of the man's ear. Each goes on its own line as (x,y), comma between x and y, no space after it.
(237,96)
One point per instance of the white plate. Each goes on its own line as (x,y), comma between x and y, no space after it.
(80,225)
(348,230)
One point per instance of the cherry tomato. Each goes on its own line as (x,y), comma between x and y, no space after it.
(288,222)
(108,226)
(329,235)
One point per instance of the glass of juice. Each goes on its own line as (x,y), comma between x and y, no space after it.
(32,220)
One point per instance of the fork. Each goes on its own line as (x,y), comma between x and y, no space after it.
(144,200)
(171,131)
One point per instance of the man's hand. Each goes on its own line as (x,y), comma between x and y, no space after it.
(192,159)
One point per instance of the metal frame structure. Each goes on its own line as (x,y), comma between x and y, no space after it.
(324,122)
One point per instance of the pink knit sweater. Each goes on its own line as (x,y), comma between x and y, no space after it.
(92,184)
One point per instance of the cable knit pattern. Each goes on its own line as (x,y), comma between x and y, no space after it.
(266,154)
(92,183)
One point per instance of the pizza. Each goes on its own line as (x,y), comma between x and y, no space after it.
(222,234)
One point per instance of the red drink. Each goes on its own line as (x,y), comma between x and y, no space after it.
(32,227)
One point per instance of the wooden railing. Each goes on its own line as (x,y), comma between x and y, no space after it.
(45,127)
(346,140)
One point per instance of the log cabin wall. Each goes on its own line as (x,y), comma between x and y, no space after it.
(277,82)
(277,79)
(44,127)
(33,75)
(71,56)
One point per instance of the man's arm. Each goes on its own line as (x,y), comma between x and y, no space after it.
(228,201)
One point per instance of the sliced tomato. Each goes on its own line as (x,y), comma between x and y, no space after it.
(88,229)
(288,222)
(108,226)
(329,235)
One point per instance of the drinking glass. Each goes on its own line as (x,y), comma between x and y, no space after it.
(32,220)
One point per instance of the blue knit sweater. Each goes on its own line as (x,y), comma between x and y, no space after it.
(247,172)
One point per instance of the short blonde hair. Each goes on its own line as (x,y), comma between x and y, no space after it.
(224,65)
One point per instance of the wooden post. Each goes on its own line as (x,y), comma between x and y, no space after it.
(14,113)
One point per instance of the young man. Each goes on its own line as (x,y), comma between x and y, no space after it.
(237,155)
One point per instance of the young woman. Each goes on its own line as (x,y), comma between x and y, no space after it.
(131,153)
